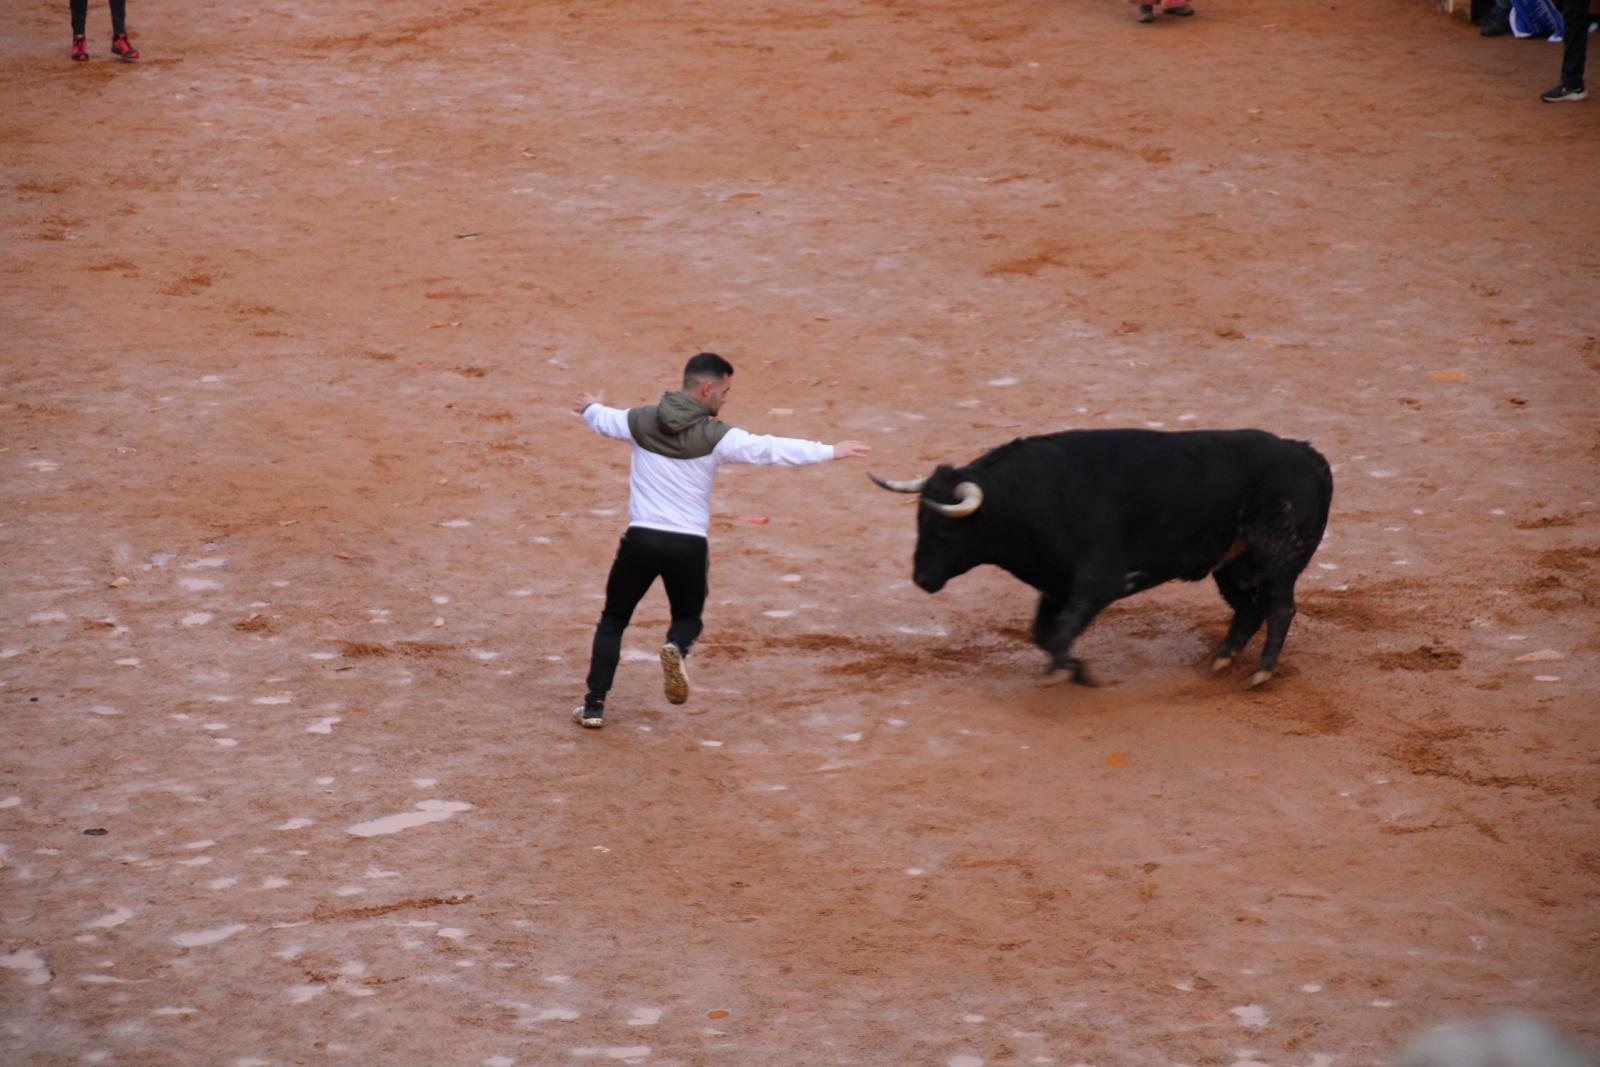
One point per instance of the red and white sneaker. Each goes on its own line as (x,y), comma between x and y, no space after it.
(80,48)
(123,49)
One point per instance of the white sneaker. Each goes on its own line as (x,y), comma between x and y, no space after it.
(592,718)
(675,674)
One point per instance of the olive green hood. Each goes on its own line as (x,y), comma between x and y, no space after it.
(680,427)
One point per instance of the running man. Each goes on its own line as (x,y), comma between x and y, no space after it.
(678,445)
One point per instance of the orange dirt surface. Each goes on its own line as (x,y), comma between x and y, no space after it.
(300,535)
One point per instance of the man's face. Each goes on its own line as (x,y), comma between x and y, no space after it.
(712,392)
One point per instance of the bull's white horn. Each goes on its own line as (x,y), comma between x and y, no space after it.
(914,486)
(969,495)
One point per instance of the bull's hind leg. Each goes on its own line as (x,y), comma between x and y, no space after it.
(1278,594)
(1282,560)
(1283,529)
(1238,584)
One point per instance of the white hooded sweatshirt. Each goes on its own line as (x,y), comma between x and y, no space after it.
(675,494)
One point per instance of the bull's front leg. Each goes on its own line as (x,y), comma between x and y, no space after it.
(1058,623)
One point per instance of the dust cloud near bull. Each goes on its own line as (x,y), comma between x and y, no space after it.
(1088,517)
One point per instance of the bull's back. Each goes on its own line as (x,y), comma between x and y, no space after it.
(1171,504)
(1201,470)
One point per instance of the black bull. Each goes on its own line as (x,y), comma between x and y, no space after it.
(1088,517)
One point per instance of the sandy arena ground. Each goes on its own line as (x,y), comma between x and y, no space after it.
(300,535)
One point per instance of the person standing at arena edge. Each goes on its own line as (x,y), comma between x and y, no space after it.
(1574,50)
(1147,12)
(121,47)
(678,445)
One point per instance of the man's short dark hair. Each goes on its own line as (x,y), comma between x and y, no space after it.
(703,366)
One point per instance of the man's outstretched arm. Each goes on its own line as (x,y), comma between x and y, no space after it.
(610,422)
(763,450)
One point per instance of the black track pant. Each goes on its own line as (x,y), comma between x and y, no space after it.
(80,16)
(682,562)
(1575,42)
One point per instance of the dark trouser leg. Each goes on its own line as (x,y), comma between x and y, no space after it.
(1575,42)
(119,16)
(80,16)
(686,564)
(631,574)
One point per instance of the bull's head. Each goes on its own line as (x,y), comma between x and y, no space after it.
(949,542)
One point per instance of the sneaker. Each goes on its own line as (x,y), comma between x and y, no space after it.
(80,48)
(1147,13)
(591,716)
(1562,94)
(123,49)
(675,681)
(1182,10)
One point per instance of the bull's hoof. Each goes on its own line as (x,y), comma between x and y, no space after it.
(1220,664)
(1257,679)
(1074,670)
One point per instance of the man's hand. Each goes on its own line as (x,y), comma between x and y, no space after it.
(589,398)
(850,450)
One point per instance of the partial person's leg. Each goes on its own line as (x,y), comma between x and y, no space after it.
(631,574)
(1574,42)
(80,17)
(121,47)
(684,571)
(1497,23)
